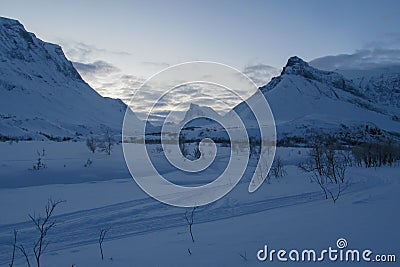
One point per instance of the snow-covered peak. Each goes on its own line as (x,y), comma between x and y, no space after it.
(42,96)
(377,87)
(196,111)
(296,61)
(305,100)
(7,22)
(199,111)
(298,67)
(18,45)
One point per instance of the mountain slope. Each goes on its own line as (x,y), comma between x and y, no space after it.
(307,101)
(379,85)
(43,96)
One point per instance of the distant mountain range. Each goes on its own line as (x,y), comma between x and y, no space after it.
(42,96)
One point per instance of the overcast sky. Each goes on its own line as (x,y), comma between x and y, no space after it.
(115,43)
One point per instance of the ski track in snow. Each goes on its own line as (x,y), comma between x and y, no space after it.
(142,216)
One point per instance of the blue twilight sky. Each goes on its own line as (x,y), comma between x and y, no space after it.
(117,43)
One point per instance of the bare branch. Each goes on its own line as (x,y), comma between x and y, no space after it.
(14,248)
(43,225)
(23,251)
(190,220)
(102,235)
(243,256)
(327,167)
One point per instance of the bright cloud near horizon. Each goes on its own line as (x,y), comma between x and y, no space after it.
(116,45)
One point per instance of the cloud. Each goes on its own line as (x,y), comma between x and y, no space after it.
(111,81)
(387,40)
(82,52)
(260,74)
(156,64)
(361,59)
(108,80)
(97,67)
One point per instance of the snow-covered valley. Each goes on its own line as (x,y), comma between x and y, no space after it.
(335,174)
(287,212)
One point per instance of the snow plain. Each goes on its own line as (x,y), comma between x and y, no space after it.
(289,212)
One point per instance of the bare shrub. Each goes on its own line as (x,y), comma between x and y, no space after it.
(196,152)
(183,146)
(107,142)
(43,224)
(278,169)
(39,164)
(91,144)
(376,154)
(88,163)
(327,167)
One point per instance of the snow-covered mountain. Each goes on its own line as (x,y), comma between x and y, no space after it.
(43,96)
(379,85)
(306,101)
(202,115)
